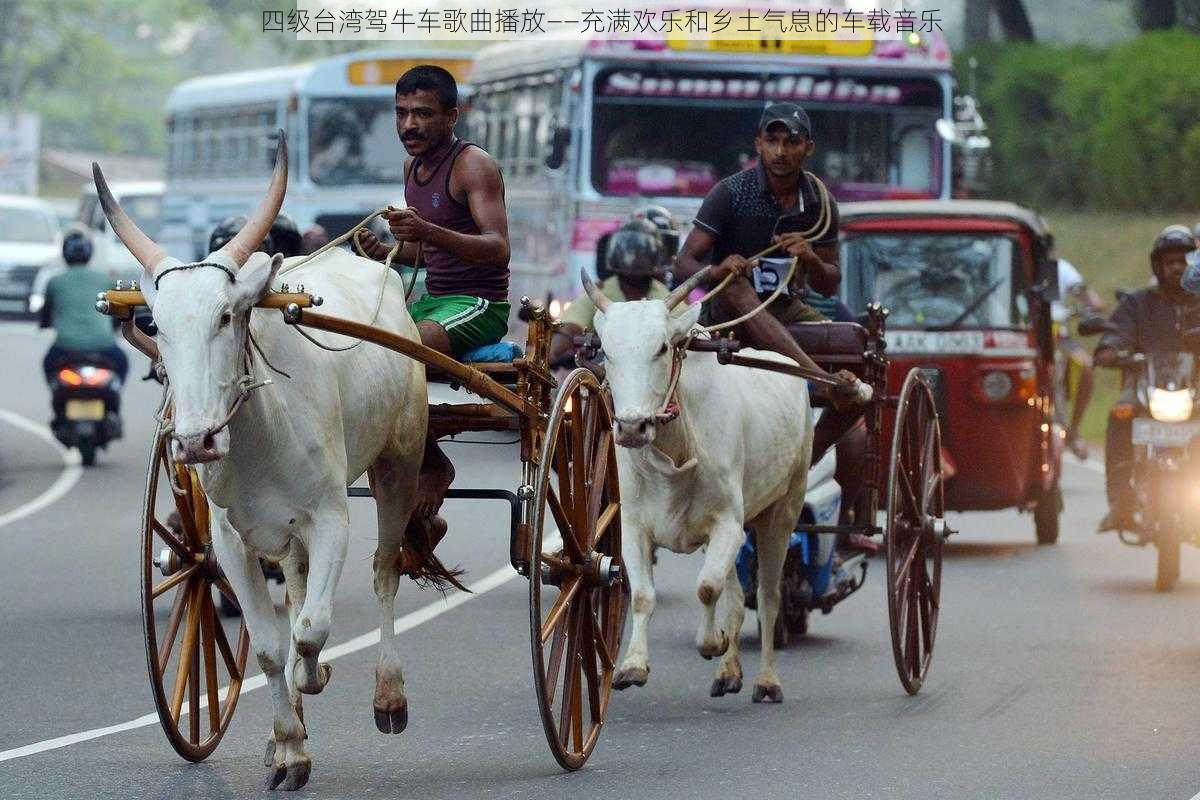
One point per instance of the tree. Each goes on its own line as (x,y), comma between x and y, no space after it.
(1014,20)
(1154,15)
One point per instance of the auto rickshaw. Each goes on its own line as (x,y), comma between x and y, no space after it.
(968,285)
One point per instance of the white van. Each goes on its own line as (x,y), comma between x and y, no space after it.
(29,240)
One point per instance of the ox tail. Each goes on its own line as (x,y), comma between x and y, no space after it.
(418,561)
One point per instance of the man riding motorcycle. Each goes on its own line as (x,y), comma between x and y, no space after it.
(635,258)
(1149,320)
(70,308)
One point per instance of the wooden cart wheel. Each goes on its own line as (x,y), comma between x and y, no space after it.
(915,531)
(188,647)
(578,590)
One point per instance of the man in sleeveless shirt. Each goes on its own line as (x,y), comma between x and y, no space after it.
(457,221)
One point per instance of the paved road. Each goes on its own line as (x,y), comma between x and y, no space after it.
(1059,672)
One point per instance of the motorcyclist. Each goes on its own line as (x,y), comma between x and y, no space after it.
(1149,320)
(636,258)
(284,237)
(70,308)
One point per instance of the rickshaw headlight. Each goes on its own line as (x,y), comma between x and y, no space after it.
(1167,406)
(997,385)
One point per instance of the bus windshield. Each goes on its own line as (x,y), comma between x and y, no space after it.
(353,141)
(677,134)
(930,280)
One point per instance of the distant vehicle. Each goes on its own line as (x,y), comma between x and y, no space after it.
(30,238)
(339,115)
(585,131)
(142,200)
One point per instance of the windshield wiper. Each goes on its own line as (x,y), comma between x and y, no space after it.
(971,309)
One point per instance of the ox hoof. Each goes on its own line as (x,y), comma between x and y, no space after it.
(730,684)
(392,721)
(634,676)
(289,778)
(708,651)
(768,694)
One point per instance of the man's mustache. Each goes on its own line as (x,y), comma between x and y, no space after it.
(413,136)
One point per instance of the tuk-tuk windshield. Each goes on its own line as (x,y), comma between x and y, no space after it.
(930,280)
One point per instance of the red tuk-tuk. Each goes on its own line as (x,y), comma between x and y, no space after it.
(968,286)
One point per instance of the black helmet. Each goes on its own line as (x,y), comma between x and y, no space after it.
(228,228)
(285,237)
(668,230)
(636,250)
(1173,237)
(77,247)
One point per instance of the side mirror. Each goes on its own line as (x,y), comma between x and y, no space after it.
(1097,325)
(559,141)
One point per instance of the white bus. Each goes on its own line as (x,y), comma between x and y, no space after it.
(586,131)
(345,159)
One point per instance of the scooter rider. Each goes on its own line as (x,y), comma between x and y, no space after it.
(70,308)
(1149,320)
(636,257)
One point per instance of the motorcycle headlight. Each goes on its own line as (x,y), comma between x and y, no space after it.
(1167,406)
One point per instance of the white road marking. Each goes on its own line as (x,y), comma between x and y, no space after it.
(67,479)
(405,623)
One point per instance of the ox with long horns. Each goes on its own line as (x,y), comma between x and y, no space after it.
(730,450)
(275,463)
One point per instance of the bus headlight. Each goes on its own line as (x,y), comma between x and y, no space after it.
(1167,406)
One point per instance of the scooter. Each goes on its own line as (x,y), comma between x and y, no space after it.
(85,393)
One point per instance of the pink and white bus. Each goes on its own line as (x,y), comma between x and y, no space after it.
(585,131)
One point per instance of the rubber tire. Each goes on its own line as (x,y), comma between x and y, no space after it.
(1046,517)
(87,452)
(1168,546)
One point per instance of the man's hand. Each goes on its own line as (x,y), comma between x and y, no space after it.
(407,226)
(798,247)
(373,248)
(732,265)
(849,393)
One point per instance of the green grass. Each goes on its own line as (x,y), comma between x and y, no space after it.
(1111,250)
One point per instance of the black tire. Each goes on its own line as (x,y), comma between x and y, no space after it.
(1168,545)
(87,452)
(1046,516)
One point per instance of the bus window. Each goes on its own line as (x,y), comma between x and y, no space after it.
(353,140)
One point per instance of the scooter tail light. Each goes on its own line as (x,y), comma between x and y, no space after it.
(97,376)
(1123,411)
(70,377)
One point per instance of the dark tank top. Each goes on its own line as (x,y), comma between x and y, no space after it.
(446,273)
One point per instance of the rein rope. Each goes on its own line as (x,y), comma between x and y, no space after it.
(352,235)
(669,410)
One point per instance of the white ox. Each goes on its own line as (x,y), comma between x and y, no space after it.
(276,476)
(736,456)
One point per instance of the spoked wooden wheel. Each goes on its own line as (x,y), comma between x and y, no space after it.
(915,532)
(188,648)
(578,591)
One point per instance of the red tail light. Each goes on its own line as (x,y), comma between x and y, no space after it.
(70,377)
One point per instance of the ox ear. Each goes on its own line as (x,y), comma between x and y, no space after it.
(681,324)
(254,279)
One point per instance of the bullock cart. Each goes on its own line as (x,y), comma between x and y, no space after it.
(902,494)
(565,536)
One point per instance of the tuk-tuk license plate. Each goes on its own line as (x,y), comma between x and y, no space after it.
(1164,434)
(85,409)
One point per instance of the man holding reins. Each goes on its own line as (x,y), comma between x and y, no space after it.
(775,202)
(456,221)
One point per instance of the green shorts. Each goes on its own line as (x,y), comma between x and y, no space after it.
(470,322)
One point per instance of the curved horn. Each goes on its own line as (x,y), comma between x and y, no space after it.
(680,293)
(141,246)
(598,297)
(258,226)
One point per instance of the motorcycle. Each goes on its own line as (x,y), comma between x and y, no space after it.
(85,393)
(1166,448)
